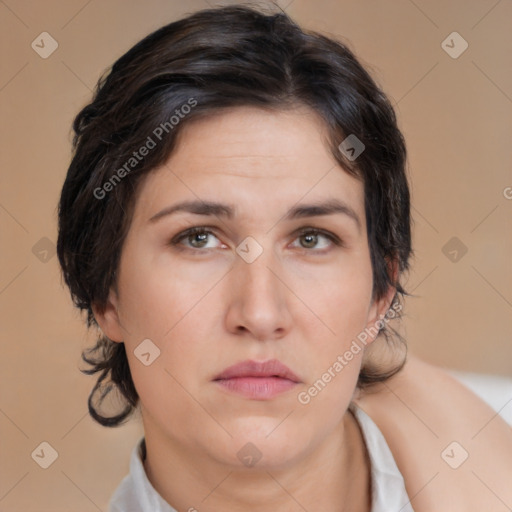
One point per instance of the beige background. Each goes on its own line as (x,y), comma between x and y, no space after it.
(457,118)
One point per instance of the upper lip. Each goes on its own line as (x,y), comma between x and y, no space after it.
(270,368)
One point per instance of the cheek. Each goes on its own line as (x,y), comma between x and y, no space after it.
(174,307)
(158,295)
(341,306)
(340,295)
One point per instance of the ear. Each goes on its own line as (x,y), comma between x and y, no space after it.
(108,318)
(378,308)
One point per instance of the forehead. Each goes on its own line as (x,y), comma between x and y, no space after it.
(247,155)
(260,140)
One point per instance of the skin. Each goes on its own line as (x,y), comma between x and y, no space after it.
(206,308)
(421,411)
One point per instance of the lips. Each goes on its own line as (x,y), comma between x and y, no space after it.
(270,368)
(257,380)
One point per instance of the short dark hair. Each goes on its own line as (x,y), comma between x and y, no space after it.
(194,67)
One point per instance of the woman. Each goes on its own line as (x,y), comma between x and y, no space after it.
(236,220)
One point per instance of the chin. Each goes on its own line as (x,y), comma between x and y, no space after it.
(263,444)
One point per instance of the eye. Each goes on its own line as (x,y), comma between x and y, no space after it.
(197,237)
(314,238)
(202,237)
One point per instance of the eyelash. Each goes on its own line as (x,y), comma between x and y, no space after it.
(299,233)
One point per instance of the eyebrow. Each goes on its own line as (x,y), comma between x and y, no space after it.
(212,208)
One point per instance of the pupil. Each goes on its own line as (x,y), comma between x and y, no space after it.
(310,240)
(201,237)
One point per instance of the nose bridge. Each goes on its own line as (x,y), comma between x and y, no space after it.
(259,298)
(255,274)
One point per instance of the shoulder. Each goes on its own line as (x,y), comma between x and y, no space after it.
(453,450)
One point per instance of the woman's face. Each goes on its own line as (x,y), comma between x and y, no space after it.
(250,286)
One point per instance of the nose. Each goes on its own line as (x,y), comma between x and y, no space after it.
(259,300)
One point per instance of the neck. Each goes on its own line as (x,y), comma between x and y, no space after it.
(333,477)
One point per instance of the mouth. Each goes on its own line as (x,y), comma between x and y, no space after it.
(257,380)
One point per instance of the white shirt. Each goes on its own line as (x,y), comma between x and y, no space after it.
(135,493)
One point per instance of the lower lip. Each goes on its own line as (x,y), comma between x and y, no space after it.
(257,388)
